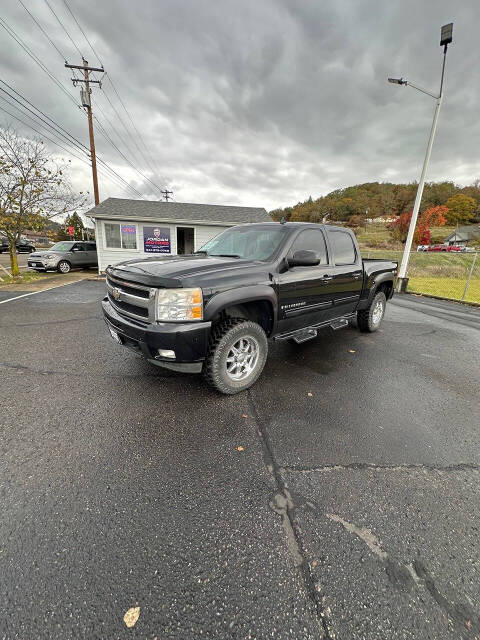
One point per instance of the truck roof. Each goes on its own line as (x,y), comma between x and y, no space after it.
(295,225)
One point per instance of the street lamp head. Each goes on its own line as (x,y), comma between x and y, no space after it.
(446,34)
(397,81)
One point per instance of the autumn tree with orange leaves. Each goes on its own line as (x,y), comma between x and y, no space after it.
(431,217)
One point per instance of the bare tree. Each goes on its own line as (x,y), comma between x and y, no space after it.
(33,188)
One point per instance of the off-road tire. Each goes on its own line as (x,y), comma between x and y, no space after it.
(365,318)
(66,268)
(223,336)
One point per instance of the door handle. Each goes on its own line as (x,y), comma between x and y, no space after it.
(357,276)
(327,277)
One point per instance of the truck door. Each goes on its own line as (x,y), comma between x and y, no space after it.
(347,280)
(304,293)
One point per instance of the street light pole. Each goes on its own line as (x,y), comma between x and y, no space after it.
(446,38)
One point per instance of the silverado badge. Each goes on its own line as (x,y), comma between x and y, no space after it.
(116,293)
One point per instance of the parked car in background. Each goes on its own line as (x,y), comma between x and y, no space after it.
(64,256)
(22,246)
(449,248)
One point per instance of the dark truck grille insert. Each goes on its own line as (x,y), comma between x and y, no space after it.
(130,308)
(131,300)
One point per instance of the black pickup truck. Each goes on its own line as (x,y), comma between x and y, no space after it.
(213,311)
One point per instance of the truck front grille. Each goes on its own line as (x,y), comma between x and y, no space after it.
(131,300)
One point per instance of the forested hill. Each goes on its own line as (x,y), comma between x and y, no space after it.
(380,199)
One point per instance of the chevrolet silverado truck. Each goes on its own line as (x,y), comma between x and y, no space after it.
(214,311)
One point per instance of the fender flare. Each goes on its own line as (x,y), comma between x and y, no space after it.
(221,301)
(383,277)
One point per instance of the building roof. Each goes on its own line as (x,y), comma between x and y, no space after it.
(469,232)
(157,211)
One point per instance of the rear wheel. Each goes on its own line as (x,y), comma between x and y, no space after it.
(64,266)
(236,356)
(370,319)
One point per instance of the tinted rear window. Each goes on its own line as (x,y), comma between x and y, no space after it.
(343,247)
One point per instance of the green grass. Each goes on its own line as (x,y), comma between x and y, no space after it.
(437,274)
(24,278)
(446,288)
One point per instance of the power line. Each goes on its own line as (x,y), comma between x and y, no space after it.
(83,32)
(112,175)
(55,126)
(133,125)
(105,134)
(142,155)
(35,58)
(40,133)
(42,30)
(63,27)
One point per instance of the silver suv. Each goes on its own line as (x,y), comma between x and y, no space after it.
(64,256)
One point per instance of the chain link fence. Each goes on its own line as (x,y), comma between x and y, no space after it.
(448,275)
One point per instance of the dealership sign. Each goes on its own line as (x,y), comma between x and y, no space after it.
(156,240)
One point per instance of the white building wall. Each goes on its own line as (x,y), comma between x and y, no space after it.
(203,233)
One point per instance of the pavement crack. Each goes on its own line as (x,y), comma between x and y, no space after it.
(359,466)
(364,534)
(407,577)
(282,503)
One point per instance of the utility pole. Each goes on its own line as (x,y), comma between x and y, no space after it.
(85,95)
(166,194)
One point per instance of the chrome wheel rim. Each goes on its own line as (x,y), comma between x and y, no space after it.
(377,313)
(242,358)
(64,267)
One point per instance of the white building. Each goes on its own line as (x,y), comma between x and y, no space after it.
(128,229)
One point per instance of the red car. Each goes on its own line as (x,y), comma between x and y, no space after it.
(455,248)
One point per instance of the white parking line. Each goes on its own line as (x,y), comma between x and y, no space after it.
(24,295)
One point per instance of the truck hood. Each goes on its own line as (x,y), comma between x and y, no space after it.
(178,271)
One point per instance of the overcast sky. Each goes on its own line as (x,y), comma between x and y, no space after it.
(257,102)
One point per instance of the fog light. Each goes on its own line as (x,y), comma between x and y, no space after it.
(166,353)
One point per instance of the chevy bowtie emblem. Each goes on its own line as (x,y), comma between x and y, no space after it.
(116,293)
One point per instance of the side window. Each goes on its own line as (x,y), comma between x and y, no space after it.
(311,240)
(91,247)
(343,248)
(79,247)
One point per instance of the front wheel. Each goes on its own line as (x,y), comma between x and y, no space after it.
(64,266)
(370,319)
(236,355)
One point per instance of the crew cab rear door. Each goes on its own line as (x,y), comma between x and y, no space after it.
(305,293)
(347,283)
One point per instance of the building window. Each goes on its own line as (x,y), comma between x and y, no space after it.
(120,236)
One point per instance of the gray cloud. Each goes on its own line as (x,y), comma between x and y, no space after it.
(262,102)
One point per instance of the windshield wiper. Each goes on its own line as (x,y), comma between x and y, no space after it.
(224,255)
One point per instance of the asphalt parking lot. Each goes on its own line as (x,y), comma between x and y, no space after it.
(338,498)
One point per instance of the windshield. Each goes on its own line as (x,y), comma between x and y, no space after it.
(253,243)
(62,246)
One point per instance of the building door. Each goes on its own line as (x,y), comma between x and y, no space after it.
(185,240)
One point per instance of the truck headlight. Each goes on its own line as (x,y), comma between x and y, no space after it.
(179,304)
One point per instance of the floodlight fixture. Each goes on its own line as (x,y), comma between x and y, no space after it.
(446,34)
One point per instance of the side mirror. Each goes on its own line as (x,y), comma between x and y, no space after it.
(304,258)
